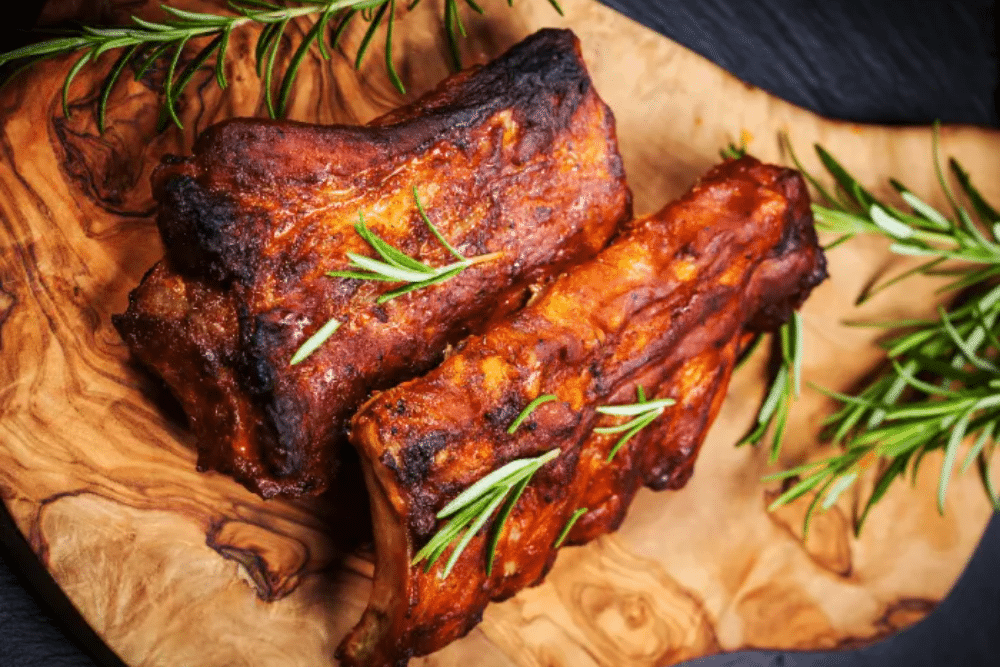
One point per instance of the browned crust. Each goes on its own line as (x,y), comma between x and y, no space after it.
(665,307)
(517,157)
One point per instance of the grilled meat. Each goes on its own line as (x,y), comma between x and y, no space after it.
(665,307)
(518,157)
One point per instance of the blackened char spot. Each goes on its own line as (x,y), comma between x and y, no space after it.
(195,223)
(547,83)
(667,474)
(798,231)
(422,513)
(282,430)
(508,410)
(716,300)
(259,339)
(418,455)
(284,417)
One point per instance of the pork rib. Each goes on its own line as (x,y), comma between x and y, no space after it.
(664,307)
(518,157)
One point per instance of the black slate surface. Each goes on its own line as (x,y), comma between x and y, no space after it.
(883,61)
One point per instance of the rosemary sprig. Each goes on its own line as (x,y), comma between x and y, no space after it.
(472,508)
(785,387)
(941,384)
(145,42)
(643,410)
(568,527)
(313,342)
(398,267)
(544,398)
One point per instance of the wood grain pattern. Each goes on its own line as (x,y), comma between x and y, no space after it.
(172,567)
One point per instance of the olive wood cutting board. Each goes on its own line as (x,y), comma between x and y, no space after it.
(173,567)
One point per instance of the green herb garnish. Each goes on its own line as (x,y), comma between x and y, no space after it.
(569,526)
(146,42)
(544,398)
(733,152)
(644,412)
(472,508)
(941,384)
(314,341)
(399,267)
(785,387)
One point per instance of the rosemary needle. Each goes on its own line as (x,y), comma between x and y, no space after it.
(568,527)
(545,398)
(314,341)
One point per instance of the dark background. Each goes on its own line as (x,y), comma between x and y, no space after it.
(883,61)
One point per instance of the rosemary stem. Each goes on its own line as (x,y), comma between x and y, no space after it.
(936,237)
(944,373)
(479,259)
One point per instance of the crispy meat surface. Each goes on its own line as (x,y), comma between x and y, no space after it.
(518,157)
(665,307)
